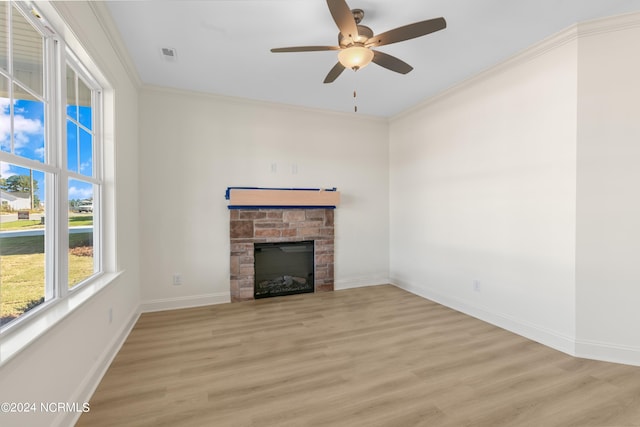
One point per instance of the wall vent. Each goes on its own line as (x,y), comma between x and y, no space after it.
(169,53)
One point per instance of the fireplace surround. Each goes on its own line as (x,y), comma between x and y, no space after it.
(250,226)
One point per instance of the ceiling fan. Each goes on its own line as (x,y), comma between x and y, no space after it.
(355,41)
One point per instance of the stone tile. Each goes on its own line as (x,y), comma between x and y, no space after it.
(323,249)
(246,294)
(289,232)
(313,223)
(268,232)
(275,214)
(308,231)
(324,242)
(235,265)
(269,224)
(321,274)
(247,259)
(326,231)
(329,217)
(245,283)
(241,229)
(324,258)
(315,214)
(234,292)
(252,214)
(243,249)
(247,270)
(328,287)
(303,224)
(293,215)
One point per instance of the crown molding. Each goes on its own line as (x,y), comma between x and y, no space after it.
(541,48)
(551,43)
(103,16)
(607,25)
(261,103)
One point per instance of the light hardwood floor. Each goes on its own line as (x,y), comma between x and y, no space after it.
(375,356)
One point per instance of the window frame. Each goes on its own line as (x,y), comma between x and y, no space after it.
(57,55)
(96,179)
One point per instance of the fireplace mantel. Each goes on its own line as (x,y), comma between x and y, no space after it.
(284,198)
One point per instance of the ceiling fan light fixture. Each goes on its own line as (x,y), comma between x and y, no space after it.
(356,42)
(355,57)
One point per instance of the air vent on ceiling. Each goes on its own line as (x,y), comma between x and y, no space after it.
(169,53)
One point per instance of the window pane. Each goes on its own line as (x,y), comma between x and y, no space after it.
(86,153)
(72,103)
(22,248)
(4,35)
(27,53)
(81,265)
(72,146)
(84,103)
(28,125)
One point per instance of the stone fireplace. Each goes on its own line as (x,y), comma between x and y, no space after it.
(250,226)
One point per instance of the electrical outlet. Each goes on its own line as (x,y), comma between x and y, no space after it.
(177,279)
(476,285)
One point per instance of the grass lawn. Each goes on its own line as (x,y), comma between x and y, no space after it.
(21,224)
(30,224)
(79,220)
(22,264)
(22,280)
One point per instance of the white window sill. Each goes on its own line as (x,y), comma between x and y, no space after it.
(17,339)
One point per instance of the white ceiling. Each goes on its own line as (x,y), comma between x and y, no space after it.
(223,45)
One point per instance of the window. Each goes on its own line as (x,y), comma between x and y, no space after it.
(50,167)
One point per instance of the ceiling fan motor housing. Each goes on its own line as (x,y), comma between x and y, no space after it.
(364,34)
(358,14)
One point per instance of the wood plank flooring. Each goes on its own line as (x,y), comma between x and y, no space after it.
(374,356)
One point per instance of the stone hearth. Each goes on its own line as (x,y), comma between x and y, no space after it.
(249,226)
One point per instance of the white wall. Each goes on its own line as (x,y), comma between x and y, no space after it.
(524,180)
(67,362)
(608,227)
(195,146)
(482,183)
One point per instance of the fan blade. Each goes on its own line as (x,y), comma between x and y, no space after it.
(304,49)
(334,73)
(391,62)
(343,17)
(408,32)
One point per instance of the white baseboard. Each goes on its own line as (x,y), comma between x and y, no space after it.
(92,380)
(360,282)
(184,302)
(608,352)
(528,330)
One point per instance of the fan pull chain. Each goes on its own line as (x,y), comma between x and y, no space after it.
(355,105)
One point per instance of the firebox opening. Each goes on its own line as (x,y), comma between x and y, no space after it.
(283,268)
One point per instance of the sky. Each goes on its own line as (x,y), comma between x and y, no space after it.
(29,142)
